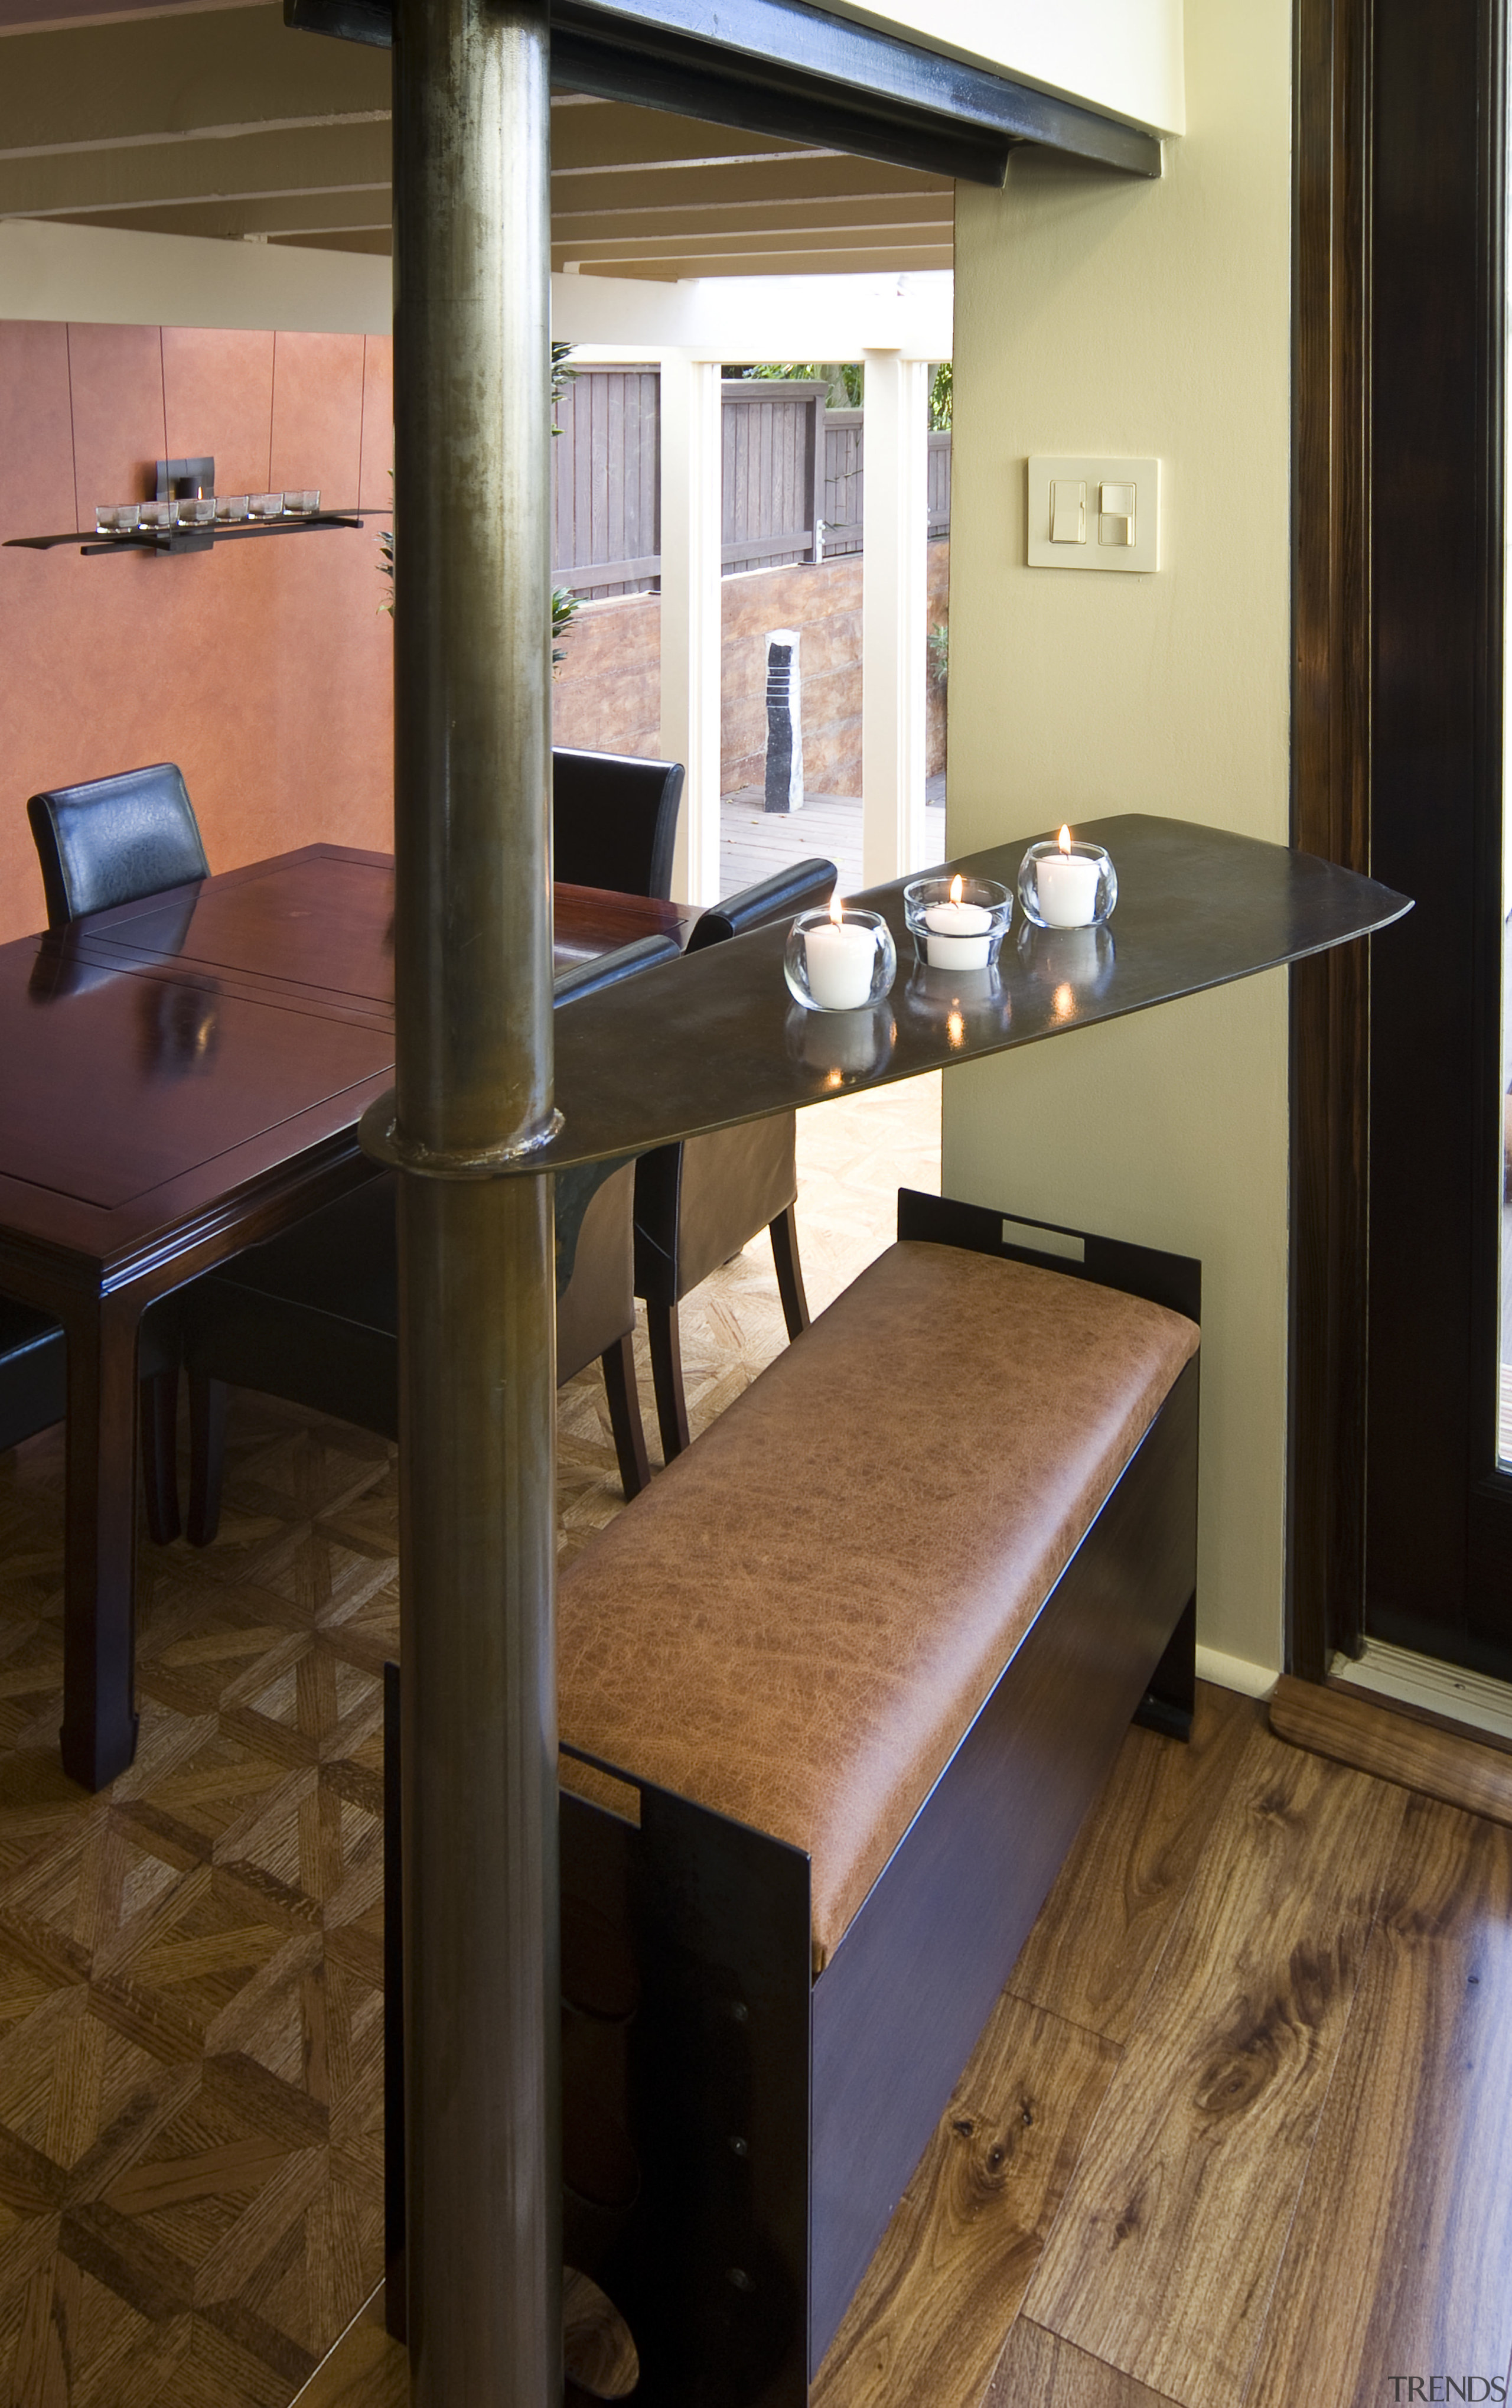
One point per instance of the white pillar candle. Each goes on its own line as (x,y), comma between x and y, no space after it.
(959,933)
(1067,885)
(839,960)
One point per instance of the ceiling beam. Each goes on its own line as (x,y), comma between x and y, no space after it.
(78,184)
(164,78)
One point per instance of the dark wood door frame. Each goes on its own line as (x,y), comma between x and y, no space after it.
(1397,742)
(1330,700)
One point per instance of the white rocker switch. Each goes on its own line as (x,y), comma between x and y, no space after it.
(1090,510)
(1068,510)
(1115,513)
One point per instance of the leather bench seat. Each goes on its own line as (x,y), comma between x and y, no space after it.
(797,1622)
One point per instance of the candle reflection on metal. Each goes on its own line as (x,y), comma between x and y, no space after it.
(843,1045)
(965,1005)
(1064,970)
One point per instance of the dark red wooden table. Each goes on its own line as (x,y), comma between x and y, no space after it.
(179,1078)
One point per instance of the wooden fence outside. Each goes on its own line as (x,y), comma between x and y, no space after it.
(793,480)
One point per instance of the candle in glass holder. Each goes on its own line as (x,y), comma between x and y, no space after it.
(839,960)
(960,934)
(1066,885)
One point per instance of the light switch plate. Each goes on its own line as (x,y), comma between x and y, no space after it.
(1138,558)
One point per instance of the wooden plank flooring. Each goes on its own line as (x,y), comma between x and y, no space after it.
(754,841)
(1237,2135)
(1163,2256)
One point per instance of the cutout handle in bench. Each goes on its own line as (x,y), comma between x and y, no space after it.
(1172,1279)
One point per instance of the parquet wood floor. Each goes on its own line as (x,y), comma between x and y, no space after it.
(191,2113)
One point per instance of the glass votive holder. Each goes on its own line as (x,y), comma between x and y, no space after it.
(1065,882)
(302,506)
(155,514)
(840,960)
(193,510)
(231,509)
(958,923)
(264,506)
(117,518)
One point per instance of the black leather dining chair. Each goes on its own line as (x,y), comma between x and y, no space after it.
(114,839)
(701,1201)
(313,1314)
(614,821)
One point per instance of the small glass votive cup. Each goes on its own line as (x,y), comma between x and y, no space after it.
(302,506)
(839,964)
(117,518)
(264,506)
(1067,887)
(958,923)
(155,514)
(193,510)
(231,509)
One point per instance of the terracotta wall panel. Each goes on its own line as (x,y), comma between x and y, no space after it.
(261,668)
(36,455)
(318,414)
(377,424)
(218,398)
(116,378)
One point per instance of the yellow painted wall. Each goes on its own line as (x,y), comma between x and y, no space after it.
(1099,315)
(1123,56)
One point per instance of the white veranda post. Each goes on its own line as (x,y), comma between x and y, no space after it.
(692,520)
(895,616)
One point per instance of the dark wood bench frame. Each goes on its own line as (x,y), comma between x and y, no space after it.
(739,2132)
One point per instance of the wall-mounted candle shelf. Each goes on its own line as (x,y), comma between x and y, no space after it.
(188,515)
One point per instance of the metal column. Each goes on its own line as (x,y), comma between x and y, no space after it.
(473,977)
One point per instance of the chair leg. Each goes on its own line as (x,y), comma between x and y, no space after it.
(618,1363)
(208,1452)
(159,1455)
(790,1271)
(666,1378)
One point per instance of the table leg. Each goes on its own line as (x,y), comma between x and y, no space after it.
(99,1720)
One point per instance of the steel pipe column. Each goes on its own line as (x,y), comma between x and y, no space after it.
(473,983)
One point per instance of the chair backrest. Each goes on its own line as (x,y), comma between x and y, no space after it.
(114,839)
(607,969)
(614,821)
(802,886)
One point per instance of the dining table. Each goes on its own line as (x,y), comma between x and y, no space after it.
(182,1077)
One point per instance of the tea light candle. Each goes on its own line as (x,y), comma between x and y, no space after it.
(839,960)
(959,933)
(1066,887)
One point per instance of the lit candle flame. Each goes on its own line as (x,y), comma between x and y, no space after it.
(1063,839)
(836,907)
(955,889)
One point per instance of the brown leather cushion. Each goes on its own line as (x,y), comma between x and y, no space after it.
(795,1623)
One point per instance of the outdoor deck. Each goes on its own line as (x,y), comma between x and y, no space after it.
(754,841)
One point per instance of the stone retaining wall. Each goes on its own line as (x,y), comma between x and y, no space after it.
(607,690)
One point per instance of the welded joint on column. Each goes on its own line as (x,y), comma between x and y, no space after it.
(378,1134)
